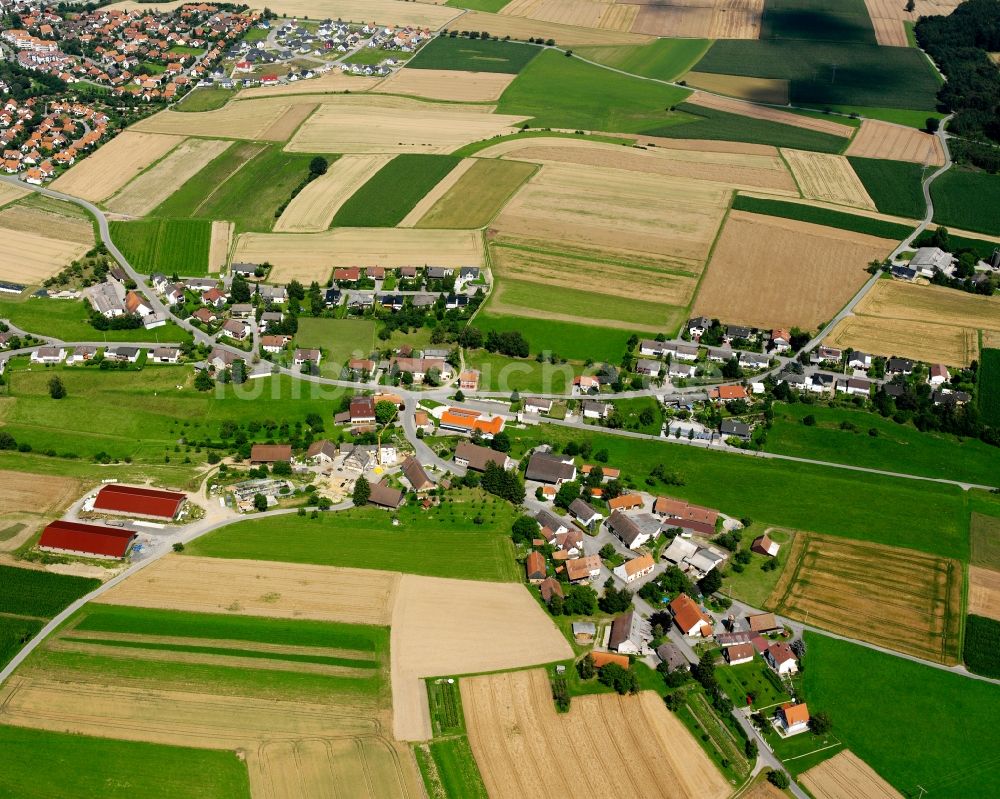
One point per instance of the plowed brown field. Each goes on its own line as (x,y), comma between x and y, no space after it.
(260,588)
(846,776)
(769,272)
(877,139)
(442,626)
(984,592)
(621,745)
(897,598)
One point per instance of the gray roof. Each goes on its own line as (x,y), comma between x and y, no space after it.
(624,527)
(548,519)
(582,510)
(734,427)
(546,468)
(672,656)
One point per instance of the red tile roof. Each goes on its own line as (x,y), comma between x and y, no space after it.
(142,501)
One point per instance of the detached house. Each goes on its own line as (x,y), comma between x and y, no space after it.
(781,658)
(544,467)
(584,514)
(689,618)
(626,530)
(630,634)
(632,570)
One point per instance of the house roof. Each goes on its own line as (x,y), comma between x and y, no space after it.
(795,714)
(679,509)
(762,622)
(739,652)
(144,501)
(639,564)
(687,614)
(465,419)
(534,565)
(385,495)
(582,510)
(478,457)
(550,587)
(672,656)
(580,568)
(621,629)
(547,468)
(728,393)
(269,453)
(780,652)
(91,539)
(415,474)
(625,528)
(625,501)
(322,447)
(604,658)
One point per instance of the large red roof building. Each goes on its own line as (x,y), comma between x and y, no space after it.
(139,501)
(89,540)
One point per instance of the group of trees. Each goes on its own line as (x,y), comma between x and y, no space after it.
(317,167)
(510,342)
(504,483)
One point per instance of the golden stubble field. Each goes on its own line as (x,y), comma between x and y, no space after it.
(387,124)
(732,106)
(770,272)
(877,139)
(38,244)
(888,16)
(935,304)
(701,19)
(523,28)
(313,256)
(332,82)
(36,493)
(218,249)
(953,346)
(153,186)
(830,178)
(901,599)
(846,776)
(263,119)
(581,13)
(9,193)
(447,84)
(442,626)
(521,743)
(476,196)
(314,207)
(260,588)
(105,171)
(984,592)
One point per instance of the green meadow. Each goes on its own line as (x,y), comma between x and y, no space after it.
(967,200)
(665,59)
(171,246)
(67,320)
(474,55)
(339,339)
(568,339)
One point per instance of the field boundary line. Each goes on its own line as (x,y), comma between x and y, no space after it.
(708,258)
(814,751)
(262,146)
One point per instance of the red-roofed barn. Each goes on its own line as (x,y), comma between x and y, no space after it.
(116,498)
(90,540)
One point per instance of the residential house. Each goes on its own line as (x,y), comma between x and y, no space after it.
(213,298)
(781,340)
(735,428)
(80,354)
(362,410)
(856,385)
(276,295)
(420,367)
(727,393)
(547,519)
(644,366)
(469,380)
(938,375)
(594,409)
(472,456)
(904,273)
(626,530)
(754,360)
(763,545)
(244,269)
(416,475)
(570,542)
(269,318)
(630,634)
(581,569)
(274,344)
(584,514)
(734,332)
(793,718)
(821,354)
(949,398)
(174,294)
(689,618)
(682,370)
(241,310)
(135,303)
(302,356)
(48,355)
(584,384)
(899,366)
(219,359)
(634,569)
(738,653)
(780,657)
(544,467)
(205,316)
(165,354)
(720,354)
(671,655)
(534,565)
(235,329)
(537,405)
(361,365)
(626,502)
(859,360)
(385,496)
(322,451)
(698,325)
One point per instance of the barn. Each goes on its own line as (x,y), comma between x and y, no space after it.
(88,540)
(115,498)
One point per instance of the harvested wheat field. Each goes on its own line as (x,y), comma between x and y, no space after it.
(953,346)
(332,82)
(523,28)
(991,339)
(105,171)
(743,108)
(984,592)
(847,776)
(385,124)
(26,219)
(617,210)
(512,720)
(312,256)
(477,195)
(894,299)
(442,626)
(446,84)
(745,171)
(760,90)
(877,139)
(700,19)
(30,258)
(36,493)
(828,177)
(888,16)
(218,249)
(9,193)
(152,187)
(266,119)
(440,190)
(314,207)
(388,12)
(762,789)
(582,13)
(769,272)
(260,588)
(901,599)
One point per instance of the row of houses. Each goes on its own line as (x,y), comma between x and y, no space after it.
(48,356)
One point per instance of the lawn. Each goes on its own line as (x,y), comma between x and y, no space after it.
(246,184)
(925,516)
(967,200)
(339,339)
(500,373)
(171,246)
(561,92)
(631,409)
(441,542)
(67,320)
(848,21)
(570,340)
(914,704)
(374,55)
(754,585)
(988,390)
(707,123)
(205,98)
(833,73)
(894,186)
(746,679)
(80,766)
(474,55)
(392,192)
(28,592)
(822,216)
(665,59)
(624,313)
(478,195)
(896,448)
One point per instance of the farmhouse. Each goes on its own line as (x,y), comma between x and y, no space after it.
(687,555)
(689,617)
(928,260)
(781,658)
(763,545)
(550,587)
(626,530)
(636,568)
(793,718)
(362,410)
(115,498)
(580,569)
(534,565)
(384,495)
(105,300)
(270,453)
(738,653)
(472,456)
(763,623)
(416,476)
(569,542)
(547,519)
(692,519)
(629,634)
(626,502)
(544,467)
(89,540)
(322,451)
(466,421)
(584,513)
